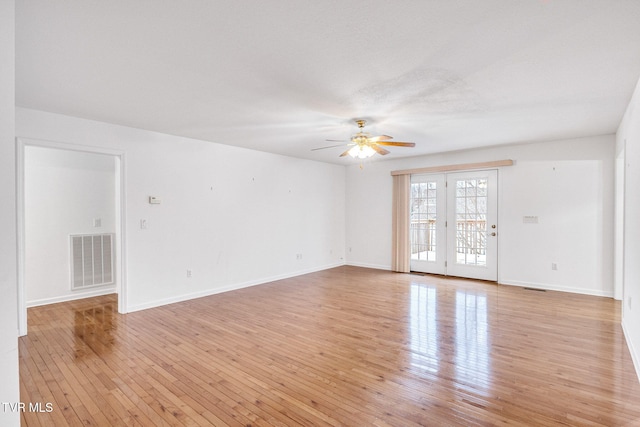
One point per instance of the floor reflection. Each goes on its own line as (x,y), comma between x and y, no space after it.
(94,330)
(472,363)
(424,327)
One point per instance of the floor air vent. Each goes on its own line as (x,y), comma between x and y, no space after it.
(91,260)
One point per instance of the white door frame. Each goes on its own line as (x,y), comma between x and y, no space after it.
(619,220)
(449,209)
(121,287)
(489,271)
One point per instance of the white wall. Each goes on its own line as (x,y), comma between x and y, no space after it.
(567,184)
(628,136)
(64,192)
(234,217)
(9,385)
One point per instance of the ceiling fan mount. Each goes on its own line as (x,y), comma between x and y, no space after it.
(363,145)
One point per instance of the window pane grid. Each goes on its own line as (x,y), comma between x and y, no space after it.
(423,221)
(471,222)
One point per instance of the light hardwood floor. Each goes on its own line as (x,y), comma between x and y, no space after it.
(346,346)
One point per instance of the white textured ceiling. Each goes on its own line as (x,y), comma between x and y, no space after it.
(283,76)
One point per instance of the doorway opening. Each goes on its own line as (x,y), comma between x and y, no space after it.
(67,190)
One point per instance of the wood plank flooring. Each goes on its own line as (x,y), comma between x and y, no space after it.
(347,346)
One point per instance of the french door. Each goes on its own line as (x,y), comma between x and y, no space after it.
(453,224)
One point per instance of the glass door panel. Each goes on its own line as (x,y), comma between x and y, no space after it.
(427,223)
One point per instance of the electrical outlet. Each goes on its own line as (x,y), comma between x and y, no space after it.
(554,266)
(188,273)
(143,224)
(629,303)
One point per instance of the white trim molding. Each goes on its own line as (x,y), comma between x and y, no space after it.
(227,288)
(635,356)
(550,287)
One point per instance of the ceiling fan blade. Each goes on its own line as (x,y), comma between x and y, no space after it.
(379,150)
(380,138)
(397,144)
(345,153)
(331,146)
(338,140)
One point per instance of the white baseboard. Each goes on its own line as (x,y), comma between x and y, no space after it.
(232,287)
(549,287)
(366,265)
(72,297)
(635,356)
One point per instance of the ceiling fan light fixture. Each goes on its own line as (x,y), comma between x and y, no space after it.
(361,151)
(363,145)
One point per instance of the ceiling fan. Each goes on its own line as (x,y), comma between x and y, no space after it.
(364,145)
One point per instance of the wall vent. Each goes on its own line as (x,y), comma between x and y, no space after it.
(91,260)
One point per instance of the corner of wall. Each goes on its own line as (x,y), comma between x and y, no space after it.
(628,136)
